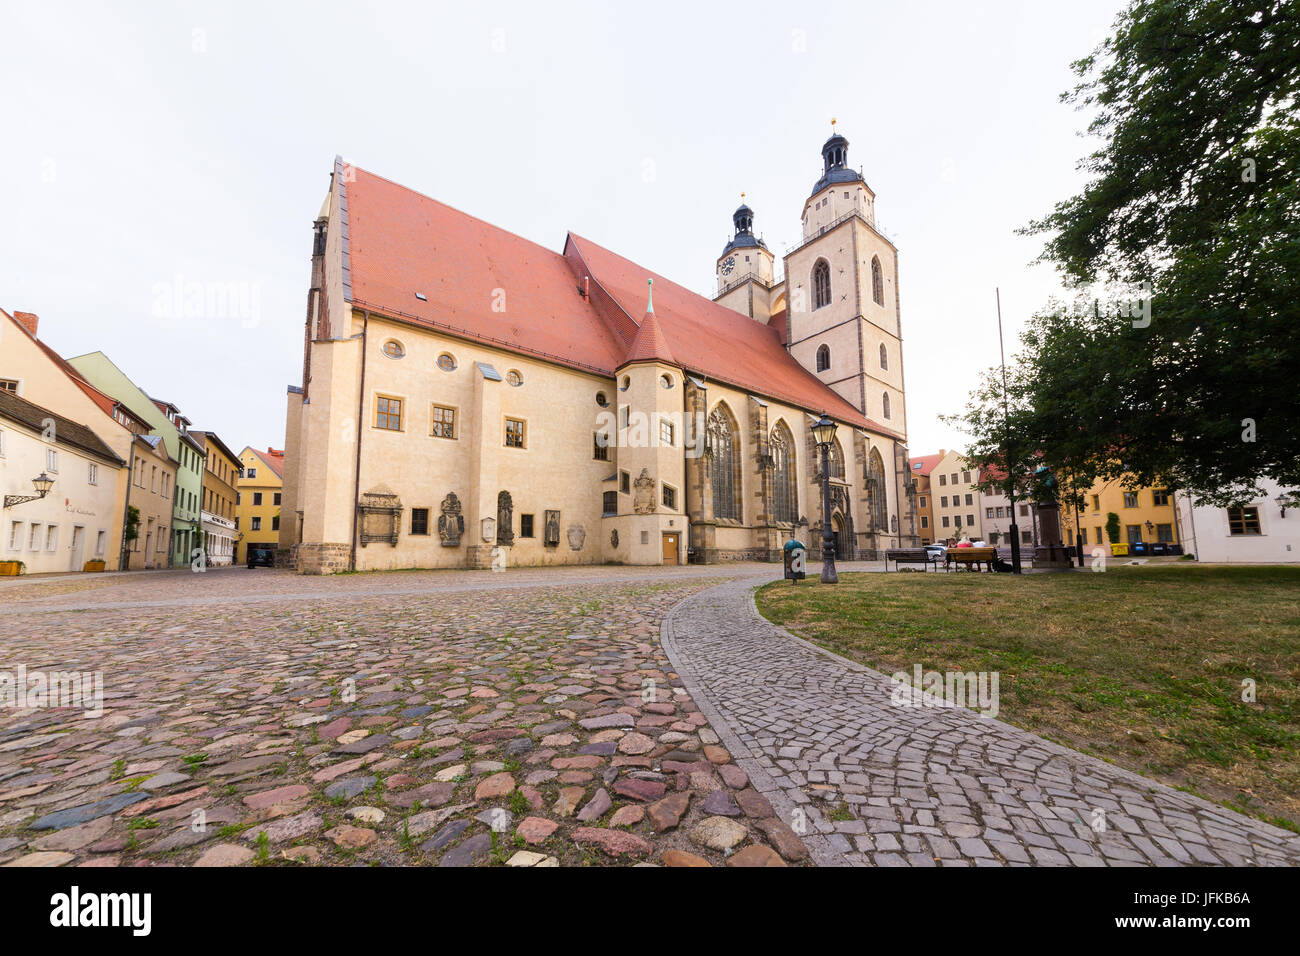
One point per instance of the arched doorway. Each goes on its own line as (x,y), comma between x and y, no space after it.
(842,532)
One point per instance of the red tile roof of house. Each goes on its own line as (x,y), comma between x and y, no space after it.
(485,284)
(927,463)
(273,458)
(107,403)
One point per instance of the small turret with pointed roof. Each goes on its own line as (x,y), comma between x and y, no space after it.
(649,345)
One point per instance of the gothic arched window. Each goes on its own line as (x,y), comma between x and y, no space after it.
(885,397)
(823,358)
(785,496)
(821,280)
(836,459)
(876,499)
(877,282)
(723,438)
(884,356)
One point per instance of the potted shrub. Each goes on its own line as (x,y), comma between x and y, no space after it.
(1112,532)
(12,568)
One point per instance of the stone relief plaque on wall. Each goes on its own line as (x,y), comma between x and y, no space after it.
(552,530)
(381,515)
(451,524)
(577,536)
(613,538)
(643,494)
(505,519)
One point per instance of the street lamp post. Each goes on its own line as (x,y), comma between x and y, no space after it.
(824,434)
(42,485)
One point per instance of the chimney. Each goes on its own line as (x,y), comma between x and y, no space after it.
(942,452)
(28,320)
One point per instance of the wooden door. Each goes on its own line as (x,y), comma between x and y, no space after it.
(670,547)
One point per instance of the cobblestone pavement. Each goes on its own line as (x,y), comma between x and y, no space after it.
(876,784)
(528,718)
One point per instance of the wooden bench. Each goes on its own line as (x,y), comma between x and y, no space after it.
(909,556)
(972,558)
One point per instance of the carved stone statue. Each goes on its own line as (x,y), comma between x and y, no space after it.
(552,531)
(613,538)
(505,519)
(577,536)
(643,493)
(451,523)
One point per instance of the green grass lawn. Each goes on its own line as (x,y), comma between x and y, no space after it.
(1141,666)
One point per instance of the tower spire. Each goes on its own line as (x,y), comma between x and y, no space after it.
(650,301)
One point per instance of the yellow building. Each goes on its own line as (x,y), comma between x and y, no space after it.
(955,499)
(257,512)
(1145,514)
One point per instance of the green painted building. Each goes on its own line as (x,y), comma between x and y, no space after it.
(166,421)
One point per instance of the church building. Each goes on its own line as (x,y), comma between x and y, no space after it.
(471,399)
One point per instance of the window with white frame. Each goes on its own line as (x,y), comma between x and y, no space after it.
(15,535)
(51,460)
(92,473)
(102,538)
(51,537)
(34,537)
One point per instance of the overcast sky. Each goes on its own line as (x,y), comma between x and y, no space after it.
(151,146)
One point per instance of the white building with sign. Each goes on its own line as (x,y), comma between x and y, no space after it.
(71,523)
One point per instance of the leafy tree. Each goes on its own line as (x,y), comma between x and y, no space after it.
(1193,207)
(1112,527)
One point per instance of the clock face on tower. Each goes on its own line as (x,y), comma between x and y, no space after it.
(728,264)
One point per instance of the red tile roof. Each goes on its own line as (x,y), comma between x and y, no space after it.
(273,458)
(716,342)
(781,322)
(479,281)
(107,403)
(649,344)
(927,463)
(402,243)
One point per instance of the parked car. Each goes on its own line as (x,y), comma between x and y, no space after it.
(261,554)
(937,552)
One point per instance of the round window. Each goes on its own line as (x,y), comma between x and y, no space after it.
(601,400)
(446,362)
(514,378)
(666,381)
(394,349)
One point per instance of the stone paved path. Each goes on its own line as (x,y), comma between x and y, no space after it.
(870,783)
(451,718)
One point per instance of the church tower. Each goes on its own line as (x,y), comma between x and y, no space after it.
(841,286)
(745,270)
